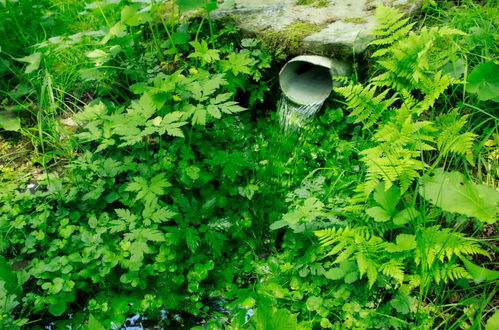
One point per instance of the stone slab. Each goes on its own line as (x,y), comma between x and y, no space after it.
(338,28)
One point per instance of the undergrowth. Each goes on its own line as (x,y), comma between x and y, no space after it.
(166,190)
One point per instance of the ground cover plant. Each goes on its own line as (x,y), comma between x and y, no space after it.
(156,181)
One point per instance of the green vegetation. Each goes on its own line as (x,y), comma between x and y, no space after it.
(144,171)
(356,20)
(313,3)
(279,44)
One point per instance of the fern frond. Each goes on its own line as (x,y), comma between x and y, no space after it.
(444,244)
(330,236)
(389,165)
(433,88)
(391,26)
(393,268)
(449,272)
(367,105)
(449,138)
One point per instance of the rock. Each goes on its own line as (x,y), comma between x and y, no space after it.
(336,28)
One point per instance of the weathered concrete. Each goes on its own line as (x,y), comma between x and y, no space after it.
(336,28)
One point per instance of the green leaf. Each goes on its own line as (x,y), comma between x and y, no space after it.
(279,224)
(33,61)
(148,190)
(402,303)
(388,199)
(405,216)
(171,124)
(180,38)
(192,239)
(238,63)
(493,321)
(214,111)
(334,273)
(404,243)
(186,5)
(484,81)
(372,273)
(131,16)
(379,214)
(479,274)
(314,303)
(57,307)
(94,324)
(202,51)
(158,184)
(193,172)
(199,117)
(452,192)
(9,277)
(163,215)
(115,30)
(9,121)
(270,318)
(231,107)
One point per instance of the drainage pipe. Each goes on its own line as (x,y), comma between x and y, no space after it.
(307,79)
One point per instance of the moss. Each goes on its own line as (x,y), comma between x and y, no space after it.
(356,20)
(304,2)
(282,43)
(313,3)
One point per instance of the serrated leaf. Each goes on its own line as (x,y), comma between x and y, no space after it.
(192,239)
(158,184)
(202,51)
(220,98)
(214,111)
(452,192)
(231,107)
(126,215)
(199,116)
(163,215)
(171,124)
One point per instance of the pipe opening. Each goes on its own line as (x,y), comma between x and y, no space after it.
(305,83)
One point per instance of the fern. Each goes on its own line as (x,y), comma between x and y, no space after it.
(366,105)
(449,272)
(439,244)
(391,27)
(408,84)
(355,244)
(394,269)
(449,139)
(438,251)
